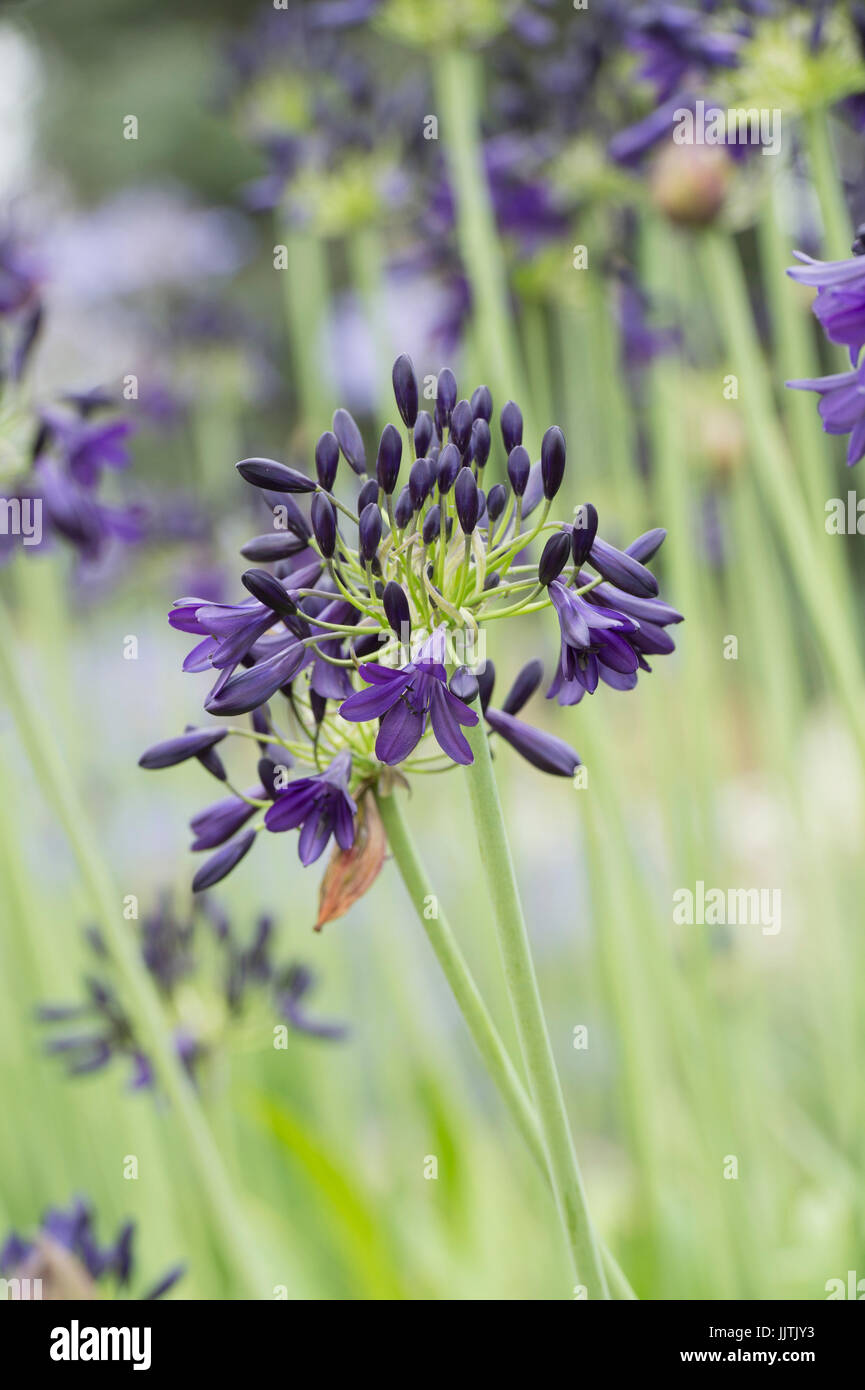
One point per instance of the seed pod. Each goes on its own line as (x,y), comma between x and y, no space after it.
(423,433)
(553,456)
(324,524)
(449,466)
(420,482)
(269,591)
(467,500)
(584,532)
(461,425)
(327,459)
(396,609)
(446,395)
(432,524)
(482,404)
(369,532)
(556,554)
(479,446)
(496,501)
(403,508)
(350,440)
(405,389)
(512,425)
(276,476)
(519,468)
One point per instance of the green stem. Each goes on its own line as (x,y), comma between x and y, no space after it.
(528,1012)
(480,1024)
(458,83)
(827,183)
(725,281)
(39,741)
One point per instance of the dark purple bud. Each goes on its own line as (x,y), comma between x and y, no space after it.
(403,508)
(273,545)
(327,459)
(552,461)
(318,705)
(268,590)
(496,500)
(519,468)
(461,425)
(486,682)
(523,687)
(512,426)
(647,545)
(584,532)
(432,524)
(396,609)
(556,554)
(275,476)
(218,823)
(369,532)
(211,761)
(464,684)
(367,494)
(290,517)
(450,464)
(350,440)
(423,433)
(544,751)
(272,772)
(446,395)
(467,500)
(482,404)
(480,442)
(177,750)
(420,481)
(405,389)
(366,645)
(622,570)
(220,864)
(323,519)
(388,461)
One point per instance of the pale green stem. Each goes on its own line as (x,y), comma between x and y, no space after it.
(40,744)
(458,82)
(528,1013)
(470,1002)
(725,282)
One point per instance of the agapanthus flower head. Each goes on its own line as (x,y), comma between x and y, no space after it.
(206,973)
(365,649)
(65,1254)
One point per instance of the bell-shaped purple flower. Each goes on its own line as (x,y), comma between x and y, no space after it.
(321,805)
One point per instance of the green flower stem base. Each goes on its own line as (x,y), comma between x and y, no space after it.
(528,1011)
(470,1003)
(46,759)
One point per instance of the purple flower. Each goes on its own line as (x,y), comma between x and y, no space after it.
(593,647)
(88,446)
(404,699)
(321,805)
(291,990)
(841,407)
(839,305)
(674,42)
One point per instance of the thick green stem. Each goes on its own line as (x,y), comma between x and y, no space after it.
(827,183)
(480,1024)
(46,759)
(528,1012)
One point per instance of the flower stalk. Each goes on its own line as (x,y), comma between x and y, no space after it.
(528,1013)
